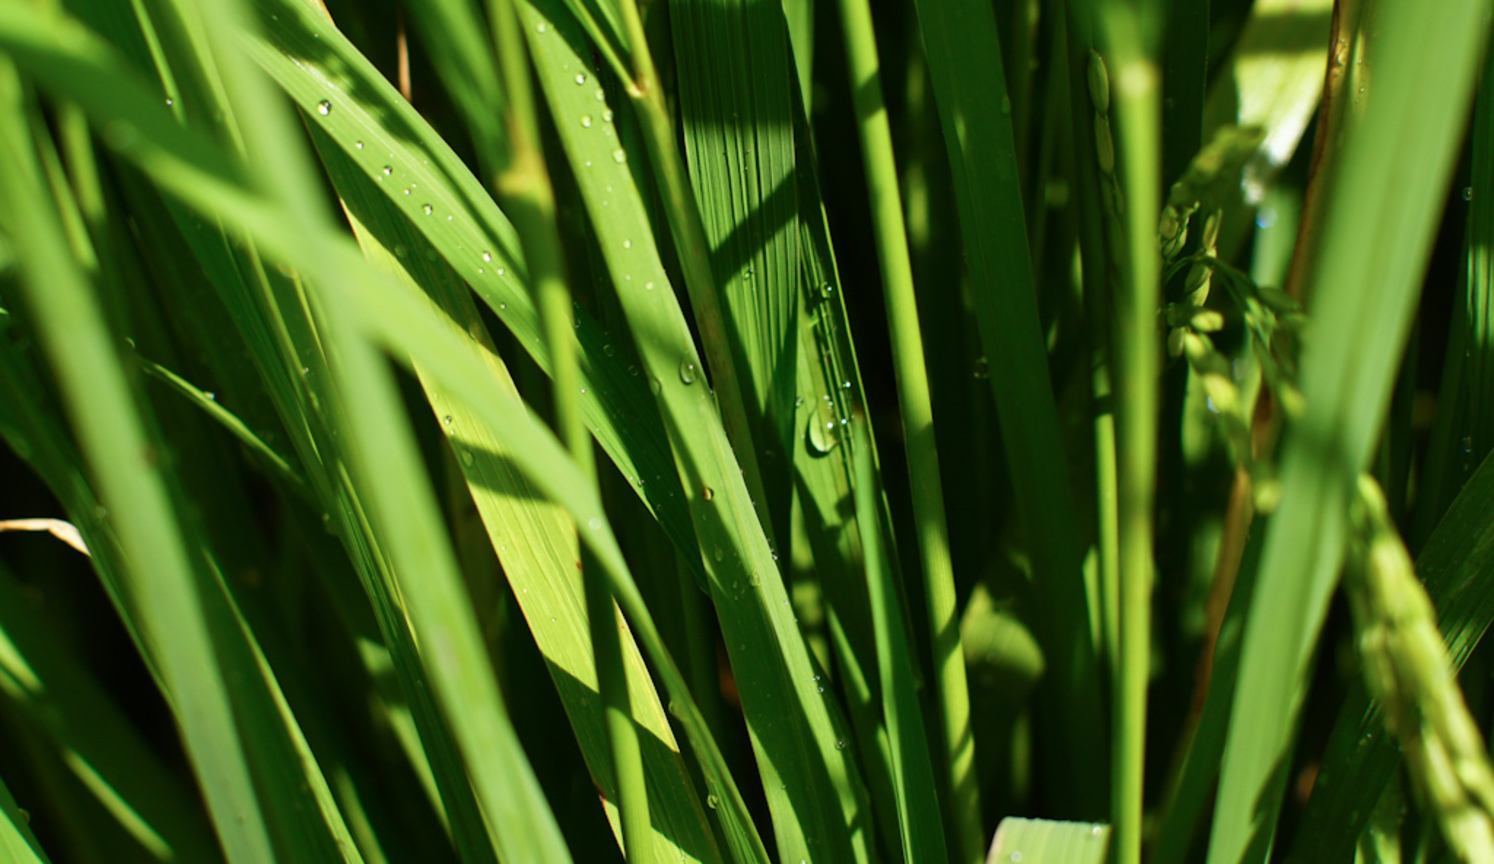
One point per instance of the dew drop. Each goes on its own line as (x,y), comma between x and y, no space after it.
(467,458)
(426,209)
(619,156)
(719,554)
(594,523)
(607,115)
(827,289)
(1467,193)
(823,433)
(358,144)
(982,368)
(446,420)
(541,27)
(487,256)
(648,286)
(758,580)
(627,244)
(654,386)
(212,397)
(840,744)
(586,120)
(601,95)
(687,372)
(324,107)
(580,78)
(170,102)
(501,271)
(712,802)
(388,171)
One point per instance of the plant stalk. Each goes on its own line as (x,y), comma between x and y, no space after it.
(1137,102)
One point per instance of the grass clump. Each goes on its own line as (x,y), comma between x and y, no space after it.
(545,430)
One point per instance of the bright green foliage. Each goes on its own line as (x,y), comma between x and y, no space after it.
(283,345)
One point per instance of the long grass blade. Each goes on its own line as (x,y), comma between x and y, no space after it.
(114,439)
(912,771)
(917,417)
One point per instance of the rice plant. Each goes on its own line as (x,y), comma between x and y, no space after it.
(536,431)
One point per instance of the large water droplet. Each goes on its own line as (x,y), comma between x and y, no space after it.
(324,107)
(580,78)
(586,120)
(426,209)
(487,256)
(467,458)
(654,386)
(607,115)
(619,156)
(687,372)
(712,802)
(388,171)
(358,144)
(823,433)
